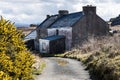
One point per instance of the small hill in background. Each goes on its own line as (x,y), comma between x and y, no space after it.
(27,29)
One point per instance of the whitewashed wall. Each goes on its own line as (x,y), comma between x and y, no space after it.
(44,46)
(66,31)
(51,31)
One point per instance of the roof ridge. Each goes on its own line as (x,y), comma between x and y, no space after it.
(75,12)
(42,23)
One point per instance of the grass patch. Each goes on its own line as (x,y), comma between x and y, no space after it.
(40,69)
(62,62)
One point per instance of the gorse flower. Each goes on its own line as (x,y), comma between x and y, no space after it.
(15,61)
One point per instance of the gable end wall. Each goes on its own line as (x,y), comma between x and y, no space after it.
(88,25)
(79,31)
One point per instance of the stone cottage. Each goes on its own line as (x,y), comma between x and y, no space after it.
(116,21)
(76,27)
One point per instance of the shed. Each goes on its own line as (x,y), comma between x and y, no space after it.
(52,44)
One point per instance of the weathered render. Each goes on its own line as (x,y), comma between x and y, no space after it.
(76,27)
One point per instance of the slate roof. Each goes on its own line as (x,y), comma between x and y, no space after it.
(54,37)
(67,20)
(64,21)
(48,21)
(116,21)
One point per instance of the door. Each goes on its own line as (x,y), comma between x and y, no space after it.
(44,46)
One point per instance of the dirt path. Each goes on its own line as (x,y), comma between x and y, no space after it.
(63,69)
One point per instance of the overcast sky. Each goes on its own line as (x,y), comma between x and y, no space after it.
(35,11)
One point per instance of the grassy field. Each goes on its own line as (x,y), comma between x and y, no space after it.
(26,30)
(39,65)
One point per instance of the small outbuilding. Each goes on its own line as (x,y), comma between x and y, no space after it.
(52,44)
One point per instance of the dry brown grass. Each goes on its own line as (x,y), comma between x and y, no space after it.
(101,56)
(26,30)
(62,62)
(115,27)
(97,44)
(39,64)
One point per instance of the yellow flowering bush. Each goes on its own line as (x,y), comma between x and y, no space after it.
(15,61)
(4,76)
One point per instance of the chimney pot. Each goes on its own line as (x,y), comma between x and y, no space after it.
(47,16)
(63,12)
(89,9)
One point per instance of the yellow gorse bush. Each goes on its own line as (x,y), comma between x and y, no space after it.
(4,76)
(15,61)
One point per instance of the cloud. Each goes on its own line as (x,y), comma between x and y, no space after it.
(105,8)
(35,11)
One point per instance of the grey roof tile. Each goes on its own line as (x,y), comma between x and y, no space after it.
(67,20)
(54,37)
(48,21)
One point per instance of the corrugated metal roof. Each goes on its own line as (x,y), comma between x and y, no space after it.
(67,20)
(31,35)
(116,21)
(54,37)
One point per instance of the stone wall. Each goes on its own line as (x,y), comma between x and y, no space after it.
(41,33)
(88,25)
(79,32)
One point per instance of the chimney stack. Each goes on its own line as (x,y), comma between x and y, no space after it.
(63,12)
(89,9)
(47,16)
